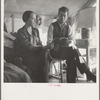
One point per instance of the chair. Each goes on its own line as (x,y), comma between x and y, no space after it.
(58,71)
(58,53)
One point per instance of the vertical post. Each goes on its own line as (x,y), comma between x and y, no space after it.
(61,69)
(12,16)
(87,52)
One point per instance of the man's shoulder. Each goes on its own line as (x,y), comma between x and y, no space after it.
(54,23)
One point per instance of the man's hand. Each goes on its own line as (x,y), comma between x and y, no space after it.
(72,44)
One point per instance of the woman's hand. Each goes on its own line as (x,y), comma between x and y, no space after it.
(49,46)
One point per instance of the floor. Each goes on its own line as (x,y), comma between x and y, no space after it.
(80,80)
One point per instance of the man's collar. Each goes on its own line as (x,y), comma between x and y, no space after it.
(61,24)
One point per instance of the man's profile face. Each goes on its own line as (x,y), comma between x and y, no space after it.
(62,16)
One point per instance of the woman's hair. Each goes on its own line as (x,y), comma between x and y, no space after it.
(63,9)
(26,15)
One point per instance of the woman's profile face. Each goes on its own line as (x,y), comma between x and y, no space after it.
(32,19)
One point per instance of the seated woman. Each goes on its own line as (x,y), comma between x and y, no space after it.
(29,46)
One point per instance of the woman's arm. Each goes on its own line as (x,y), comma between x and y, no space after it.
(23,40)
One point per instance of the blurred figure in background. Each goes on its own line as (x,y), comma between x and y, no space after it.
(14,74)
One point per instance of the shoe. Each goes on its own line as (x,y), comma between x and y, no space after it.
(91,76)
(84,69)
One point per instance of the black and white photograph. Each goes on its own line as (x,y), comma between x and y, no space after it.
(52,43)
